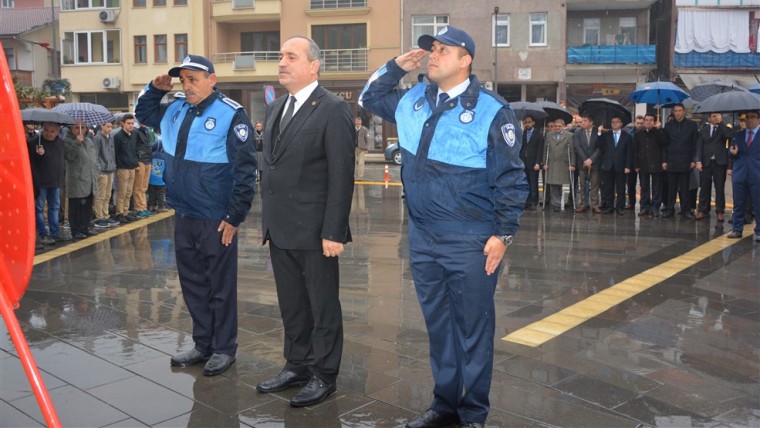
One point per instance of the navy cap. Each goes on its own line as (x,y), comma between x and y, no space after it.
(193,62)
(451,36)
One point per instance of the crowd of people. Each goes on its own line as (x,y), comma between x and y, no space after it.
(677,160)
(89,177)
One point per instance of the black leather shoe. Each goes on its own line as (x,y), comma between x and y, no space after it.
(471,425)
(189,358)
(282,381)
(667,214)
(314,392)
(734,235)
(688,216)
(430,418)
(218,364)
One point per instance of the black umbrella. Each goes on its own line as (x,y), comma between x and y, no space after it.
(523,108)
(43,115)
(728,102)
(706,90)
(555,111)
(602,110)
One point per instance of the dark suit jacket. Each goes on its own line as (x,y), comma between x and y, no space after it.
(715,146)
(308,181)
(649,150)
(616,158)
(682,145)
(585,149)
(531,151)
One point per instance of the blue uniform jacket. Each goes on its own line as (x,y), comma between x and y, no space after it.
(462,171)
(213,174)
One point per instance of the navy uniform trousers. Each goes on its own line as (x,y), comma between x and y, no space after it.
(208,276)
(456,297)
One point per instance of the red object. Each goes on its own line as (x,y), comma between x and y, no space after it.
(17,231)
(387,175)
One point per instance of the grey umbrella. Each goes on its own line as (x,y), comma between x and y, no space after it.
(43,115)
(728,102)
(523,108)
(91,114)
(706,90)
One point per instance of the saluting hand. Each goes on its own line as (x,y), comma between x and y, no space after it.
(163,82)
(411,60)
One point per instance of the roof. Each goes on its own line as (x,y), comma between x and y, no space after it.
(18,21)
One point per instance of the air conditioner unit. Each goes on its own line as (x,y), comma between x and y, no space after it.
(111,82)
(488,85)
(108,16)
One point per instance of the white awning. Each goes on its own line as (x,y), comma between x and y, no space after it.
(712,30)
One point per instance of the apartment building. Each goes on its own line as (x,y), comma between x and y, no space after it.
(520,45)
(26,33)
(716,39)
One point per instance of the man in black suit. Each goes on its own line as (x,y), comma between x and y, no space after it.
(530,153)
(679,161)
(712,161)
(307,187)
(617,159)
(586,153)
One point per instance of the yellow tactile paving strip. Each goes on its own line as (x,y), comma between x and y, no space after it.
(108,234)
(540,332)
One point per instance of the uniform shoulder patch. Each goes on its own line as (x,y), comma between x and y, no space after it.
(508,132)
(230,102)
(241,131)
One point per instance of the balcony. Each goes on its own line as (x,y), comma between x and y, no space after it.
(712,60)
(234,66)
(337,8)
(245,10)
(336,4)
(611,54)
(344,60)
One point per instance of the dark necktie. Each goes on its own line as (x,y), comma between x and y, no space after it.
(749,139)
(288,113)
(442,98)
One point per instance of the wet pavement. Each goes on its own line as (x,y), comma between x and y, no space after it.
(103,319)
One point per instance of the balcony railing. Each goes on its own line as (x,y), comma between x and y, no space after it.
(336,4)
(612,54)
(725,60)
(246,60)
(344,60)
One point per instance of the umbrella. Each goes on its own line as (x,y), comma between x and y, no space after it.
(705,90)
(687,103)
(658,93)
(523,109)
(728,102)
(755,89)
(43,115)
(602,110)
(555,111)
(91,114)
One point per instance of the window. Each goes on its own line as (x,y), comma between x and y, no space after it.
(627,31)
(159,42)
(89,4)
(501,30)
(92,47)
(8,4)
(591,28)
(10,57)
(180,47)
(427,24)
(138,3)
(180,2)
(538,29)
(141,49)
(258,41)
(159,2)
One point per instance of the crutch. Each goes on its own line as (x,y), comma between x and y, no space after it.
(543,171)
(569,164)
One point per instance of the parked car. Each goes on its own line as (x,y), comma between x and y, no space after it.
(393,153)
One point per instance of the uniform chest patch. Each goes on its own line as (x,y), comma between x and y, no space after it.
(210,123)
(419,103)
(467,116)
(242,132)
(508,132)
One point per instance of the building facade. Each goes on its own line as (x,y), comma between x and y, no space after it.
(27,34)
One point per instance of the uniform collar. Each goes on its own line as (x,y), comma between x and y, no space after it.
(203,105)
